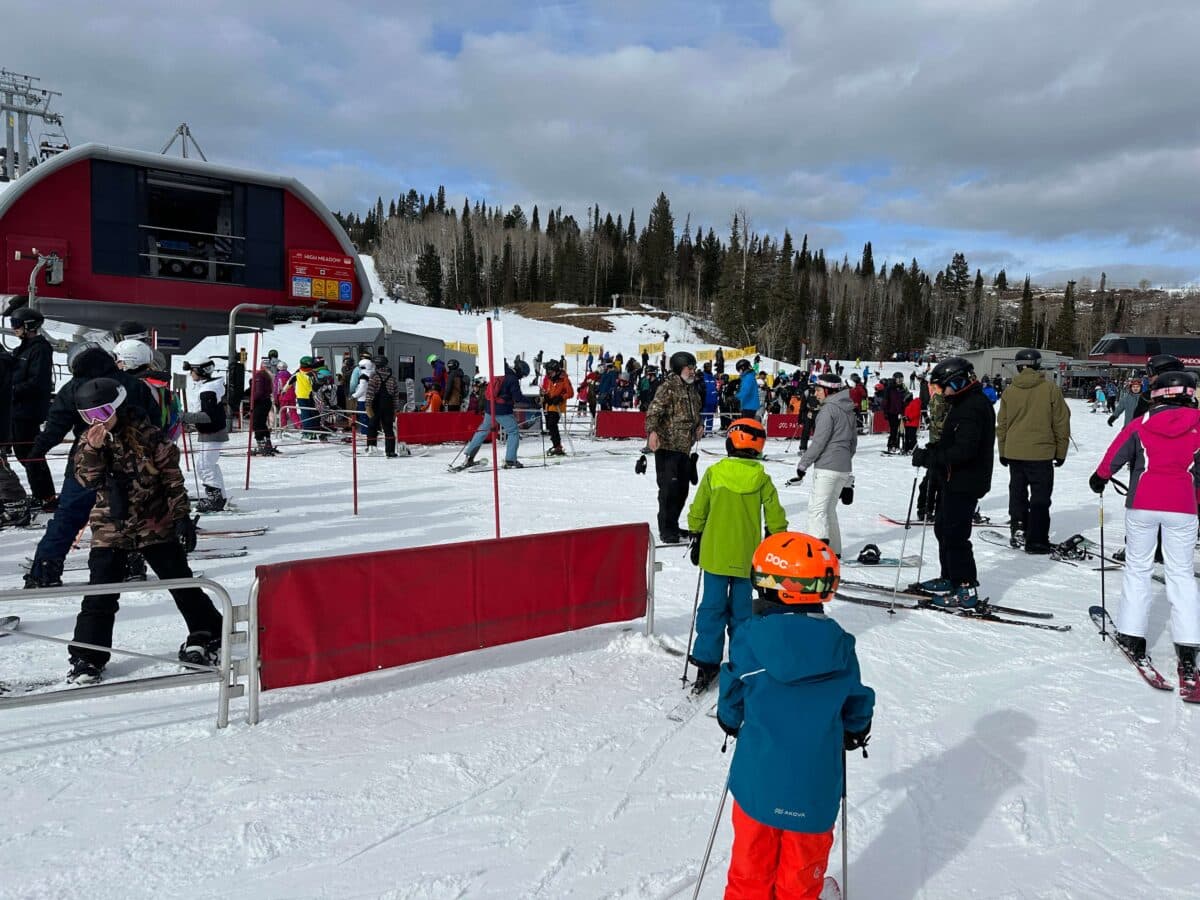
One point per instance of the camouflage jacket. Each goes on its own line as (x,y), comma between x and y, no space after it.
(674,415)
(937,417)
(140,492)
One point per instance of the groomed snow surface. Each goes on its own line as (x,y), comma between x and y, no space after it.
(1005,762)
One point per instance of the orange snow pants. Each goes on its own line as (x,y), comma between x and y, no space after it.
(773,864)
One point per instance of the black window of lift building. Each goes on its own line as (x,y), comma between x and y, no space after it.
(161,224)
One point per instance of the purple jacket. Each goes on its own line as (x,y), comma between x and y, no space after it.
(1160,449)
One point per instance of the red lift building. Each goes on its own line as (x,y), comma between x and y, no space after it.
(173,243)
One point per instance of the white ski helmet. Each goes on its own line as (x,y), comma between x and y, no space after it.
(198,363)
(133,354)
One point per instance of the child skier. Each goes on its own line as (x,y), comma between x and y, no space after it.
(912,421)
(793,696)
(726,519)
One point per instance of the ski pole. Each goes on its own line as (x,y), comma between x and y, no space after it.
(712,835)
(904,543)
(924,525)
(845,851)
(1103,560)
(691,631)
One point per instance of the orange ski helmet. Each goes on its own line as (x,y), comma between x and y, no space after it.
(746,435)
(796,567)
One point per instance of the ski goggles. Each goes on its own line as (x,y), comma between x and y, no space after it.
(820,586)
(98,414)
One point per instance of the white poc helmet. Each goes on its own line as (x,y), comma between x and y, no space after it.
(133,354)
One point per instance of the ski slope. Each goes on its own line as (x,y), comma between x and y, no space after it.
(1005,762)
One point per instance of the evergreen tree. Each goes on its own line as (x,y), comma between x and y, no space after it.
(429,274)
(1062,336)
(534,225)
(867,266)
(657,248)
(1001,281)
(729,304)
(1025,327)
(958,280)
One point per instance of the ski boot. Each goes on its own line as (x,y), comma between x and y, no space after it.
(1134,646)
(46,504)
(212,501)
(1189,679)
(556,451)
(16,514)
(964,597)
(706,674)
(44,573)
(402,449)
(978,518)
(1040,548)
(83,672)
(200,649)
(135,566)
(933,586)
(513,464)
(1016,538)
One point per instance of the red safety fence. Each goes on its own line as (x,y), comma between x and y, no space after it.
(332,617)
(436,428)
(620,424)
(783,425)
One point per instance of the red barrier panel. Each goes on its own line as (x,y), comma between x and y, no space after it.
(328,618)
(620,424)
(436,428)
(783,426)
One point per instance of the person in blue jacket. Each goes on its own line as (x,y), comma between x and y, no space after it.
(608,383)
(747,392)
(793,697)
(712,395)
(507,392)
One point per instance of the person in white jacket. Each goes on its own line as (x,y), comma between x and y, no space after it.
(365,369)
(830,455)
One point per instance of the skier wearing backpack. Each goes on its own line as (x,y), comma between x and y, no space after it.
(456,387)
(792,695)
(383,400)
(725,521)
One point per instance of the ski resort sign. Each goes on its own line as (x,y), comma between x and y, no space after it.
(318,275)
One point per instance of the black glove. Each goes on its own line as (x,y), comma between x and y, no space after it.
(847,495)
(694,552)
(1111,419)
(730,730)
(640,465)
(1004,461)
(800,473)
(694,468)
(920,457)
(185,533)
(1097,484)
(1058,463)
(853,740)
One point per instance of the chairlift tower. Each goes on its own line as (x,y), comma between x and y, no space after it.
(21,98)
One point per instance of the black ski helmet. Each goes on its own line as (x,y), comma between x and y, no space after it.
(380,361)
(551,365)
(1028,359)
(1177,388)
(680,360)
(131,329)
(829,382)
(1163,362)
(99,392)
(452,365)
(27,318)
(897,376)
(952,375)
(869,555)
(84,354)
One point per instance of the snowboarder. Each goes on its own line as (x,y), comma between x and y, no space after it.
(1032,433)
(141,506)
(961,465)
(792,695)
(206,405)
(673,425)
(1162,450)
(725,520)
(830,455)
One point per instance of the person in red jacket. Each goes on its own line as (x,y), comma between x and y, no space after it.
(858,397)
(912,421)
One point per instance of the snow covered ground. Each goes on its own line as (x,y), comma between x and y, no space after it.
(1005,763)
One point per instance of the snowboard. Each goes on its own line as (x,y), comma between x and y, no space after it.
(885,562)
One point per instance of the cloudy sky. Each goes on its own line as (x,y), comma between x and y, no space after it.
(1036,135)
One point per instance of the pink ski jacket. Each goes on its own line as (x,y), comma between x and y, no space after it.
(1160,449)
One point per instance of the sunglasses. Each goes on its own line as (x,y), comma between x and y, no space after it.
(98,414)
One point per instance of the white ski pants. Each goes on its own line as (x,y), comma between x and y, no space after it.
(207,459)
(822,506)
(1178,545)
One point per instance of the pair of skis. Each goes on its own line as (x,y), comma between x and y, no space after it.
(1189,692)
(988,612)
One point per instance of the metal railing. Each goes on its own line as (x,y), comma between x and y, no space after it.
(228,673)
